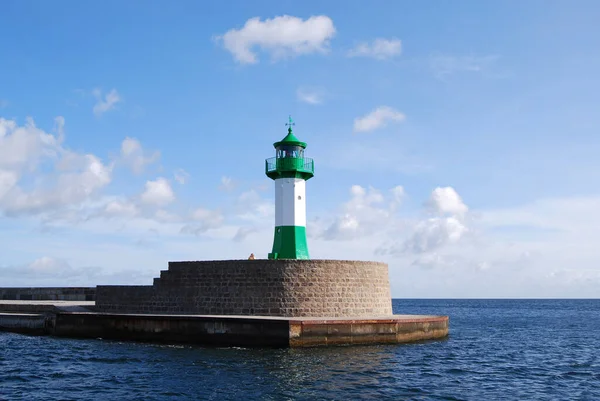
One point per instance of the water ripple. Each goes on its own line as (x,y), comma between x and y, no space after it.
(497,350)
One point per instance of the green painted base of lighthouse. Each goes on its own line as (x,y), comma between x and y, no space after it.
(289,243)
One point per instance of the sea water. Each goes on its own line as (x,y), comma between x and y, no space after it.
(497,350)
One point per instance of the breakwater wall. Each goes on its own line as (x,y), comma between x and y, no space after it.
(227,330)
(262,287)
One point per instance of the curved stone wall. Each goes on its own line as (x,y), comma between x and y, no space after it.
(292,288)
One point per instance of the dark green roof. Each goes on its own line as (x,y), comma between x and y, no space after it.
(290,139)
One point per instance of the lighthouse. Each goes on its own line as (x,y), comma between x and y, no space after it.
(290,170)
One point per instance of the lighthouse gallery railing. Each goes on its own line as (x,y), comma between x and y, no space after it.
(301,164)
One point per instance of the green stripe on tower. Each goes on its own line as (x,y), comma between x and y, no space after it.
(289,243)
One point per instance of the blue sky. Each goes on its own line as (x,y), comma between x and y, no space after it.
(457,141)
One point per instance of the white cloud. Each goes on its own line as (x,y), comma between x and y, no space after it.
(130,146)
(47,264)
(134,156)
(23,147)
(378,118)
(380,49)
(40,271)
(443,65)
(158,192)
(446,252)
(105,102)
(82,177)
(433,233)
(365,213)
(398,195)
(57,206)
(446,201)
(282,36)
(120,208)
(61,189)
(8,179)
(26,152)
(181,176)
(310,96)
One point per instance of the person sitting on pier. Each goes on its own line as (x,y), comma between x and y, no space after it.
(251,257)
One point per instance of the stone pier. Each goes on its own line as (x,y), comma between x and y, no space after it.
(261,302)
(287,288)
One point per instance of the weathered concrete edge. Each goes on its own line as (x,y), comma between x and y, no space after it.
(382,331)
(429,319)
(25,323)
(230,330)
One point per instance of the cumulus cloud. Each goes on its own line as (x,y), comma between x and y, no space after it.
(60,188)
(366,212)
(282,36)
(378,118)
(82,176)
(448,226)
(105,101)
(445,200)
(158,192)
(310,96)
(434,233)
(47,264)
(430,235)
(373,220)
(74,179)
(380,49)
(43,267)
(23,147)
(120,208)
(443,251)
(134,156)
(8,179)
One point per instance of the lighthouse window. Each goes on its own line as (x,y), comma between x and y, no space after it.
(299,197)
(290,151)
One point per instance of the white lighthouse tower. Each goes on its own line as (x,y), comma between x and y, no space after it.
(290,170)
